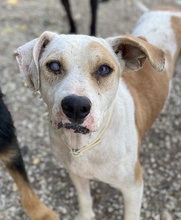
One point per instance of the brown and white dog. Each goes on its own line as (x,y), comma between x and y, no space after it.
(102,96)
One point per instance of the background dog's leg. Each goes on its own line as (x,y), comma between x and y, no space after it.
(66,5)
(132,201)
(10,156)
(94,6)
(12,159)
(84,197)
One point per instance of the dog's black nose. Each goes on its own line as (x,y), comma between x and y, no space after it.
(76,108)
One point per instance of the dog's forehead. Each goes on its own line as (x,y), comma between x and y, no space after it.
(77,44)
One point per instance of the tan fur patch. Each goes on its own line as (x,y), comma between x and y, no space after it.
(95,47)
(7,156)
(171,63)
(176,24)
(138,173)
(138,169)
(149,90)
(165,8)
(34,207)
(102,57)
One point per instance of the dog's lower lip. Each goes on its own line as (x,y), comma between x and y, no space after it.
(76,127)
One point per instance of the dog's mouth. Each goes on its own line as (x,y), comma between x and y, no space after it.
(75,127)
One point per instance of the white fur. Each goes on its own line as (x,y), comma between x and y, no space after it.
(153,24)
(156,27)
(99,163)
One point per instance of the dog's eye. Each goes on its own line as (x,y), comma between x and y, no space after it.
(55,67)
(104,70)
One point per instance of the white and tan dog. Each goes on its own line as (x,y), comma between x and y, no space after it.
(102,97)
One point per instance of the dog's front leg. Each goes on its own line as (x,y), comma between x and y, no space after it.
(84,197)
(132,201)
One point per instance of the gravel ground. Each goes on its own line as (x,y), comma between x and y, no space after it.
(161,151)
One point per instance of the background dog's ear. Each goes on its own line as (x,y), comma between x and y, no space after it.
(28,57)
(134,51)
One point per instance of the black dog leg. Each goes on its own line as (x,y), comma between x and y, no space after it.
(69,14)
(94,6)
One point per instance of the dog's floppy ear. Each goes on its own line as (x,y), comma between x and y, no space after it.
(134,51)
(28,57)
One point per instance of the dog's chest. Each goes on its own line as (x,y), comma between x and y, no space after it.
(93,167)
(98,163)
(81,166)
(108,167)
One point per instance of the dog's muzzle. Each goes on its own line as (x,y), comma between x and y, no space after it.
(75,108)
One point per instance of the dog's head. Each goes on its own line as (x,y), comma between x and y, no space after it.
(78,76)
